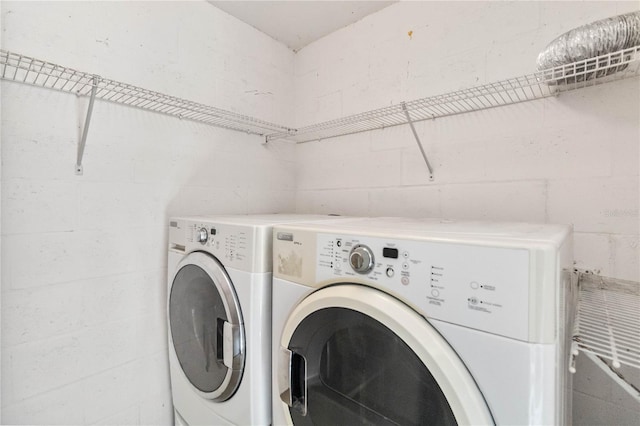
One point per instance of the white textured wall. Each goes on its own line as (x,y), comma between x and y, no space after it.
(572,159)
(83,260)
(83,288)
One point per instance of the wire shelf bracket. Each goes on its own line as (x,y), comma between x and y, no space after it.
(85,131)
(415,135)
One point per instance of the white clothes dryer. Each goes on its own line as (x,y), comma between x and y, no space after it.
(397,321)
(219,317)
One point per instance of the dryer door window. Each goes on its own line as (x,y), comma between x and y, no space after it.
(355,355)
(360,372)
(206,327)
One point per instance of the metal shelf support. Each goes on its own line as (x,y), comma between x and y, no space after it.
(87,121)
(415,135)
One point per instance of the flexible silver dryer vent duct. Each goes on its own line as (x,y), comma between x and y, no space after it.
(595,39)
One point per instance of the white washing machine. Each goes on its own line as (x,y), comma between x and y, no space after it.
(415,322)
(219,317)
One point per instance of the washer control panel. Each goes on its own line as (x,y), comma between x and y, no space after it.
(485,288)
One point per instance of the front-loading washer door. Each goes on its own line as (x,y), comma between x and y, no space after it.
(353,355)
(206,327)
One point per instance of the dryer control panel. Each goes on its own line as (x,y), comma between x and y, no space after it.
(231,244)
(485,288)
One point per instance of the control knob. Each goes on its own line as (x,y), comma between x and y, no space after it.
(361,259)
(202,235)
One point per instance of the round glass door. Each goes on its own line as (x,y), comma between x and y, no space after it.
(354,355)
(360,372)
(206,327)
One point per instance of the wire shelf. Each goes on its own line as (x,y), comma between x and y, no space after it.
(608,320)
(24,69)
(551,82)
(590,72)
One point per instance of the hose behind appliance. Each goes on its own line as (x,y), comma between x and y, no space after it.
(588,41)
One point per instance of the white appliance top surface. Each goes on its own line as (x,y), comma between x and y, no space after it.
(261,220)
(435,228)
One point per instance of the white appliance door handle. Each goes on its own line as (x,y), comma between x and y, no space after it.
(292,380)
(232,347)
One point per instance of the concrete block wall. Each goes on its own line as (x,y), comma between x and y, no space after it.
(84,257)
(571,159)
